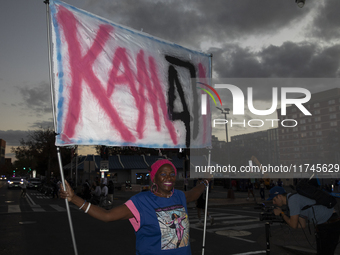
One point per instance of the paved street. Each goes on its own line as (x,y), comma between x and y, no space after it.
(38,225)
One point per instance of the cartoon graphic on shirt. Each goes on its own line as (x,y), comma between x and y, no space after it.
(174,224)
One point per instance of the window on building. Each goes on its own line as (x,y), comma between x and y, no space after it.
(333,123)
(332,101)
(332,116)
(332,109)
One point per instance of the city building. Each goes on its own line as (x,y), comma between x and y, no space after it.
(264,145)
(2,151)
(314,138)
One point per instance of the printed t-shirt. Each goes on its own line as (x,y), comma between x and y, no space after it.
(161,224)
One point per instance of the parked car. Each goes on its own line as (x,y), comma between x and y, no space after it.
(34,183)
(3,178)
(15,182)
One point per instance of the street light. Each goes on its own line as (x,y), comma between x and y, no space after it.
(300,3)
(226,111)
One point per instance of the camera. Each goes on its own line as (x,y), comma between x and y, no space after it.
(271,217)
(268,215)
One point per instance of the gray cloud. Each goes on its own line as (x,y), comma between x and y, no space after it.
(191,22)
(327,22)
(42,124)
(12,137)
(298,60)
(37,99)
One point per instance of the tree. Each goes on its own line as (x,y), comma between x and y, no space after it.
(39,152)
(127,150)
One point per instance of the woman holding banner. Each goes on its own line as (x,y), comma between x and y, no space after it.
(151,212)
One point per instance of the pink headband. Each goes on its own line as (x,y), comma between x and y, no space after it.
(157,165)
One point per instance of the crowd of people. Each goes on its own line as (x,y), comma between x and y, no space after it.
(98,191)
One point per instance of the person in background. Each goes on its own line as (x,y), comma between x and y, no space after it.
(86,191)
(250,189)
(55,185)
(23,187)
(111,189)
(104,189)
(326,220)
(96,192)
(279,183)
(151,212)
(262,187)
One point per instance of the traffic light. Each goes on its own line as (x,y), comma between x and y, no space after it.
(102,152)
(24,168)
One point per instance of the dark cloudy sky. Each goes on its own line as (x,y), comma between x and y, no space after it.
(248,39)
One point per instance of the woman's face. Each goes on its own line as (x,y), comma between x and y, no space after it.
(165,179)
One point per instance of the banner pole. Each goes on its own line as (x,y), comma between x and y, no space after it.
(66,203)
(47,2)
(207,188)
(206,208)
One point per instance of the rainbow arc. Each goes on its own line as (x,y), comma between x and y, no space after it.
(209,93)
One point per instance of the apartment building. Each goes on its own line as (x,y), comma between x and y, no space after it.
(311,139)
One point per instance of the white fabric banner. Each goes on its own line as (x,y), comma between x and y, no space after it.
(116,86)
